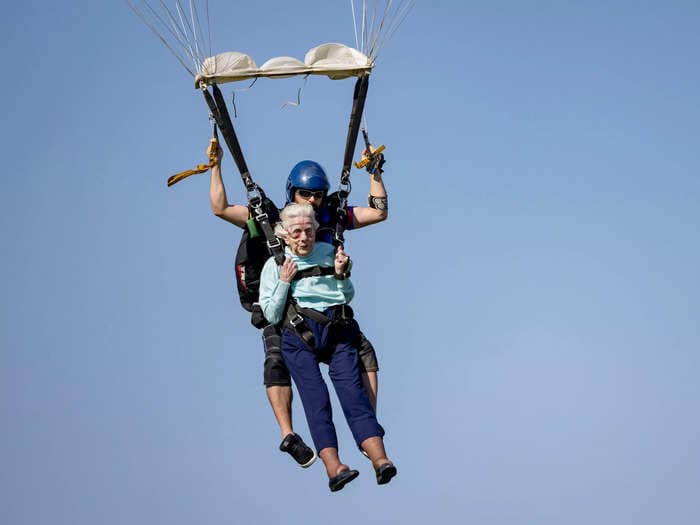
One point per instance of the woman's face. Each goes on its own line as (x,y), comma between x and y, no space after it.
(301,236)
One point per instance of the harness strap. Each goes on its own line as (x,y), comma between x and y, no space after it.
(314,271)
(217,106)
(358,106)
(295,318)
(274,245)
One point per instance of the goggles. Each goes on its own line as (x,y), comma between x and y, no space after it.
(307,194)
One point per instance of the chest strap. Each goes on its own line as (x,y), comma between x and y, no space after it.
(314,271)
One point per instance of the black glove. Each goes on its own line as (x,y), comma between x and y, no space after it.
(376,164)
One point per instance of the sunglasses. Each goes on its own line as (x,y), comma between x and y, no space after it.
(307,194)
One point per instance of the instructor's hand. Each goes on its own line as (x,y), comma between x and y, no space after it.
(214,151)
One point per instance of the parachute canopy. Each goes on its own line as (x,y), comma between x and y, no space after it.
(336,61)
(183,26)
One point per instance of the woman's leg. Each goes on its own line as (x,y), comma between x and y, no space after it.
(358,410)
(304,369)
(344,372)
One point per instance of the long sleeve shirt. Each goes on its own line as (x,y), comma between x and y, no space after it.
(318,292)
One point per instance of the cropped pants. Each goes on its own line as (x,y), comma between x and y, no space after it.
(336,345)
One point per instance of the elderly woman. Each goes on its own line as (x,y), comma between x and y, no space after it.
(309,294)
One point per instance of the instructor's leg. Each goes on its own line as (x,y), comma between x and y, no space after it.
(279,393)
(371,384)
(277,381)
(368,367)
(280,398)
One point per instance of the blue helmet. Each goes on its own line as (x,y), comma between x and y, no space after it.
(306,175)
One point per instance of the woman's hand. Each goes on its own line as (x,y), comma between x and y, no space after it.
(341,261)
(288,270)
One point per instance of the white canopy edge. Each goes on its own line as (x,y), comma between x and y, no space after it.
(336,61)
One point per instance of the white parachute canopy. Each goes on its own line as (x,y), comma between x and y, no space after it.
(336,61)
(184,28)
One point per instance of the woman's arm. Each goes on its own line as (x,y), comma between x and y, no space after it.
(342,274)
(274,288)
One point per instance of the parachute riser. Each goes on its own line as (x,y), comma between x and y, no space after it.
(217,107)
(255,194)
(358,106)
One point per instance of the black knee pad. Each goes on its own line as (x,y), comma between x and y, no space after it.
(275,372)
(368,357)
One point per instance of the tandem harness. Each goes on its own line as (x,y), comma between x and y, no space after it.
(295,316)
(255,195)
(295,319)
(220,114)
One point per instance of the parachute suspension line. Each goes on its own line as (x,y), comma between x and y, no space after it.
(372,26)
(377,32)
(378,23)
(179,29)
(354,23)
(189,27)
(395,20)
(209,49)
(160,36)
(196,29)
(176,30)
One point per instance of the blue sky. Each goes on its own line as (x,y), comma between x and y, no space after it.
(533,296)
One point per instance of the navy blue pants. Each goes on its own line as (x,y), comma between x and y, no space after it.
(336,345)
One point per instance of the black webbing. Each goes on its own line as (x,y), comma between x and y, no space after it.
(217,106)
(314,271)
(263,220)
(358,106)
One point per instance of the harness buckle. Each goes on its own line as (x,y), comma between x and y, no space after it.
(296,321)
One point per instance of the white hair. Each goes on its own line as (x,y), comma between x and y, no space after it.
(294,211)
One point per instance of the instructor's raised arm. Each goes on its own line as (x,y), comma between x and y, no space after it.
(234,213)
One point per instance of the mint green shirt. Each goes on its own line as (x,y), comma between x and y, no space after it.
(318,292)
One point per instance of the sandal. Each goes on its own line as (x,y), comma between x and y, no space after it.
(385,472)
(338,482)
